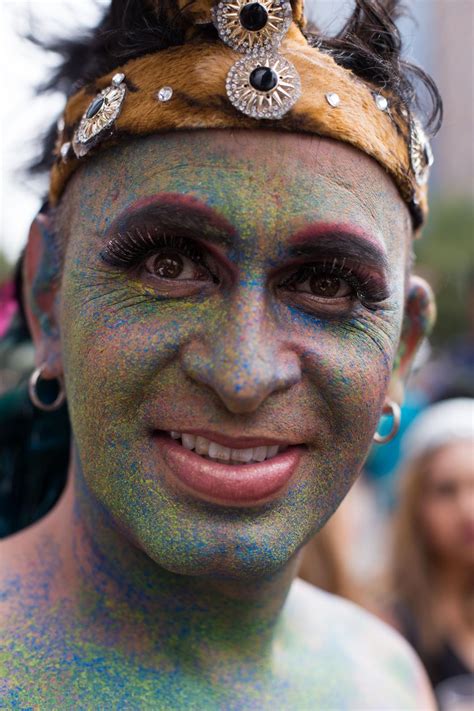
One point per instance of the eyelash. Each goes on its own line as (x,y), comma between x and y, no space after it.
(365,286)
(134,246)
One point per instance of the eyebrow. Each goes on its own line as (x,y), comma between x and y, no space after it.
(339,239)
(193,218)
(176,212)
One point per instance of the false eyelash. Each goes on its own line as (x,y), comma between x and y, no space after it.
(129,249)
(365,285)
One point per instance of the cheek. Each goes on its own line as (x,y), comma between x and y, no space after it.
(439,520)
(118,343)
(349,364)
(346,371)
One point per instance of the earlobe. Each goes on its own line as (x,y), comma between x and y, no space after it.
(418,322)
(41,276)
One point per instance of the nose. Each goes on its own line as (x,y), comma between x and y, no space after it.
(242,357)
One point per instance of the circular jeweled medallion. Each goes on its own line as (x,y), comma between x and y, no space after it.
(252,25)
(98,119)
(421,154)
(263,86)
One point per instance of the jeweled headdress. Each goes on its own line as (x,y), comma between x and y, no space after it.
(244,64)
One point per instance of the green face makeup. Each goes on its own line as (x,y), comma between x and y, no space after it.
(229,292)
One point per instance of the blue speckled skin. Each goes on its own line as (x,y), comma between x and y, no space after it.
(132,593)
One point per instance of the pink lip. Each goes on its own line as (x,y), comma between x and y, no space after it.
(231,485)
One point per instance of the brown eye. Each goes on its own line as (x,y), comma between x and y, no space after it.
(166,266)
(172,265)
(318,291)
(329,287)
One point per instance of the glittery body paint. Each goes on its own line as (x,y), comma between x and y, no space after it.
(147,595)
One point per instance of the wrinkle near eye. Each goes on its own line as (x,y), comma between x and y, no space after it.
(379,332)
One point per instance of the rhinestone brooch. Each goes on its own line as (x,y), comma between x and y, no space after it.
(421,154)
(263,87)
(263,84)
(249,25)
(100,116)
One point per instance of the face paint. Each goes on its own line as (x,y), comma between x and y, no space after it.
(235,292)
(228,292)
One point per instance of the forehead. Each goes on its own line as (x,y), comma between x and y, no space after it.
(251,177)
(452,460)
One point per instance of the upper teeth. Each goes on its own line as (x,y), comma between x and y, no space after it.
(210,449)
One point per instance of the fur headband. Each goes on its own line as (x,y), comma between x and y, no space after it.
(261,73)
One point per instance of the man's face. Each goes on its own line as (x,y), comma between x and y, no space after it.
(226,294)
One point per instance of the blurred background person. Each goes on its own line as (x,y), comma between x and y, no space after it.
(432,572)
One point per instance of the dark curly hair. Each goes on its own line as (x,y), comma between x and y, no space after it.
(369,45)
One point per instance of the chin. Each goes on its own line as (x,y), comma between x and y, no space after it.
(226,565)
(186,535)
(212,542)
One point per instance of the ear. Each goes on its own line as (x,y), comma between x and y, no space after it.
(41,279)
(418,321)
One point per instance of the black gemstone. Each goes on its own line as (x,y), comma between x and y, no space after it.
(263,79)
(253,17)
(95,107)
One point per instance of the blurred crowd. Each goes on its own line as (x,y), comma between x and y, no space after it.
(401,544)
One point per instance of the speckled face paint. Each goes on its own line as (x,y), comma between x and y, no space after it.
(247,288)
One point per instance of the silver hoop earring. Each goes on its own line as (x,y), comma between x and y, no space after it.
(390,408)
(32,391)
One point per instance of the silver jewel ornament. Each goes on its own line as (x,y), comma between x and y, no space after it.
(263,86)
(164,94)
(381,102)
(252,25)
(98,120)
(64,150)
(333,99)
(421,154)
(118,78)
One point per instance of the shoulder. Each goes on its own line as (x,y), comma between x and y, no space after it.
(339,614)
(374,659)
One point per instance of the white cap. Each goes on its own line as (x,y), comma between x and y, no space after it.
(440,424)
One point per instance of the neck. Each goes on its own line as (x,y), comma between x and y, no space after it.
(149,608)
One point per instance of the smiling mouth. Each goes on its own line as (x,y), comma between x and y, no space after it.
(228,475)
